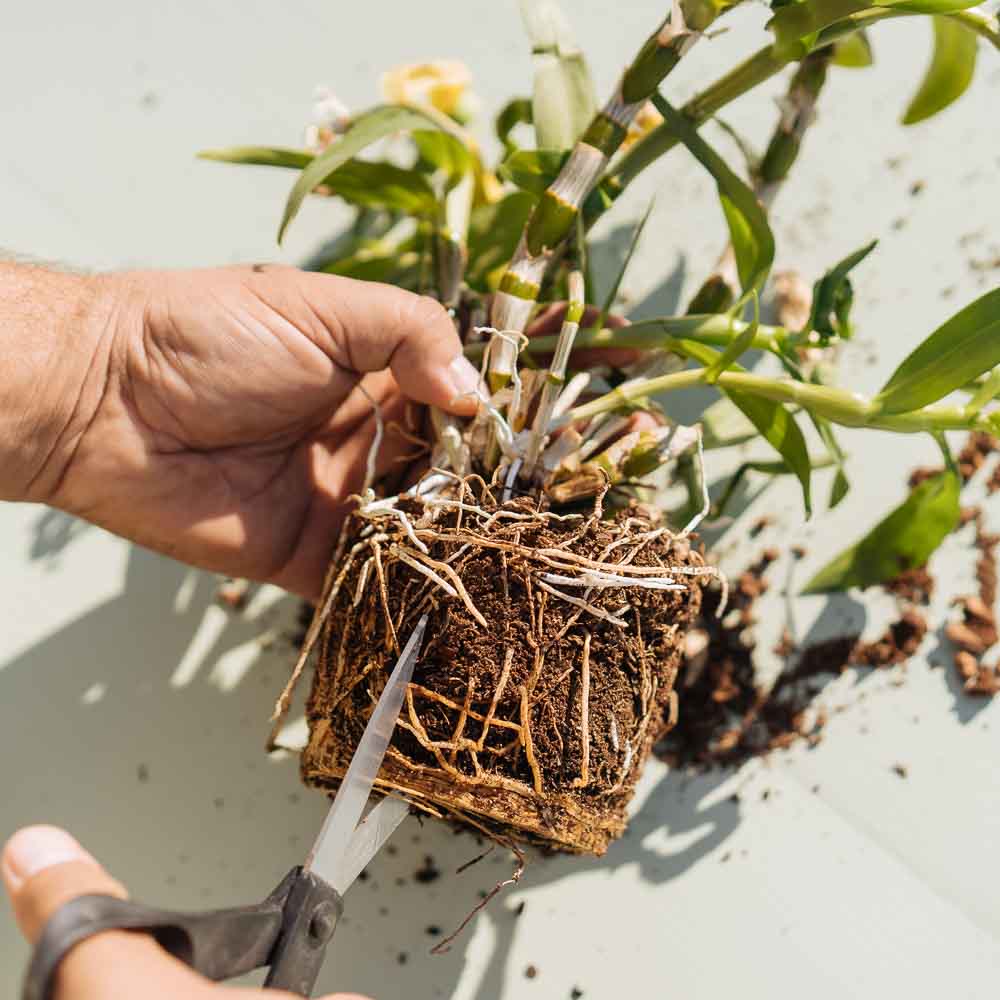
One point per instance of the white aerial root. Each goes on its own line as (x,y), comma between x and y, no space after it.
(605,581)
(597,612)
(372,458)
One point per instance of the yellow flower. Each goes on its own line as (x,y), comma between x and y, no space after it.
(644,122)
(442,84)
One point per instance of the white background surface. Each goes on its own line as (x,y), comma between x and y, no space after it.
(115,666)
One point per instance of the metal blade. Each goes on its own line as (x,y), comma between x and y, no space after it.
(329,856)
(371,833)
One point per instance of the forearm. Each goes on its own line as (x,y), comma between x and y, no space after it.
(56,341)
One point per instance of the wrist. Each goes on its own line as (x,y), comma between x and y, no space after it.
(57,335)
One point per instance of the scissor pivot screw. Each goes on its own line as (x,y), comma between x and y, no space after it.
(323,923)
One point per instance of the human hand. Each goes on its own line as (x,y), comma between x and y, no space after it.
(219,417)
(42,868)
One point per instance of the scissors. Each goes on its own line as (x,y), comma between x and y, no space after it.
(290,930)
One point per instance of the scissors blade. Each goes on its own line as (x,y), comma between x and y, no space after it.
(331,857)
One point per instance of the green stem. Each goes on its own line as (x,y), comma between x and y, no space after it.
(836,405)
(718,331)
(759,67)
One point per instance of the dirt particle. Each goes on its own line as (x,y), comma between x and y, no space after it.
(519,909)
(427,872)
(917,187)
(575,993)
(760,524)
(433,930)
(142,773)
(901,770)
(531,972)
(402,958)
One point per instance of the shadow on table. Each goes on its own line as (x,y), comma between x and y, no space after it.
(140,727)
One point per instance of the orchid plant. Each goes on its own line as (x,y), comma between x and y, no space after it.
(496,239)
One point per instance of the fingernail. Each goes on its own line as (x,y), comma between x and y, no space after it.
(34,849)
(466,380)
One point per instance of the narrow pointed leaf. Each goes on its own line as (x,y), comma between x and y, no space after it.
(609,299)
(953,63)
(752,239)
(958,351)
(774,423)
(903,540)
(366,128)
(833,296)
(798,20)
(264,156)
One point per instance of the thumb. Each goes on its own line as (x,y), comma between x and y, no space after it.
(42,868)
(371,326)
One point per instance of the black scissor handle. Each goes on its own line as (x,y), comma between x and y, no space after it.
(288,931)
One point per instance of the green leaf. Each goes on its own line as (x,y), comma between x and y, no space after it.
(372,184)
(841,487)
(365,129)
(798,20)
(264,156)
(609,299)
(952,66)
(446,153)
(833,296)
(853,51)
(533,169)
(903,540)
(563,101)
(752,239)
(772,420)
(737,347)
(383,185)
(958,351)
(514,113)
(494,231)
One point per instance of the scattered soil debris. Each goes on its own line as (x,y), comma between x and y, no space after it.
(976,632)
(915,585)
(726,718)
(427,872)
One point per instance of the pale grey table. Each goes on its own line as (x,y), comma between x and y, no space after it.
(133,710)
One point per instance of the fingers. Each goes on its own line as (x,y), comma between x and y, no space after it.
(42,868)
(370,326)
